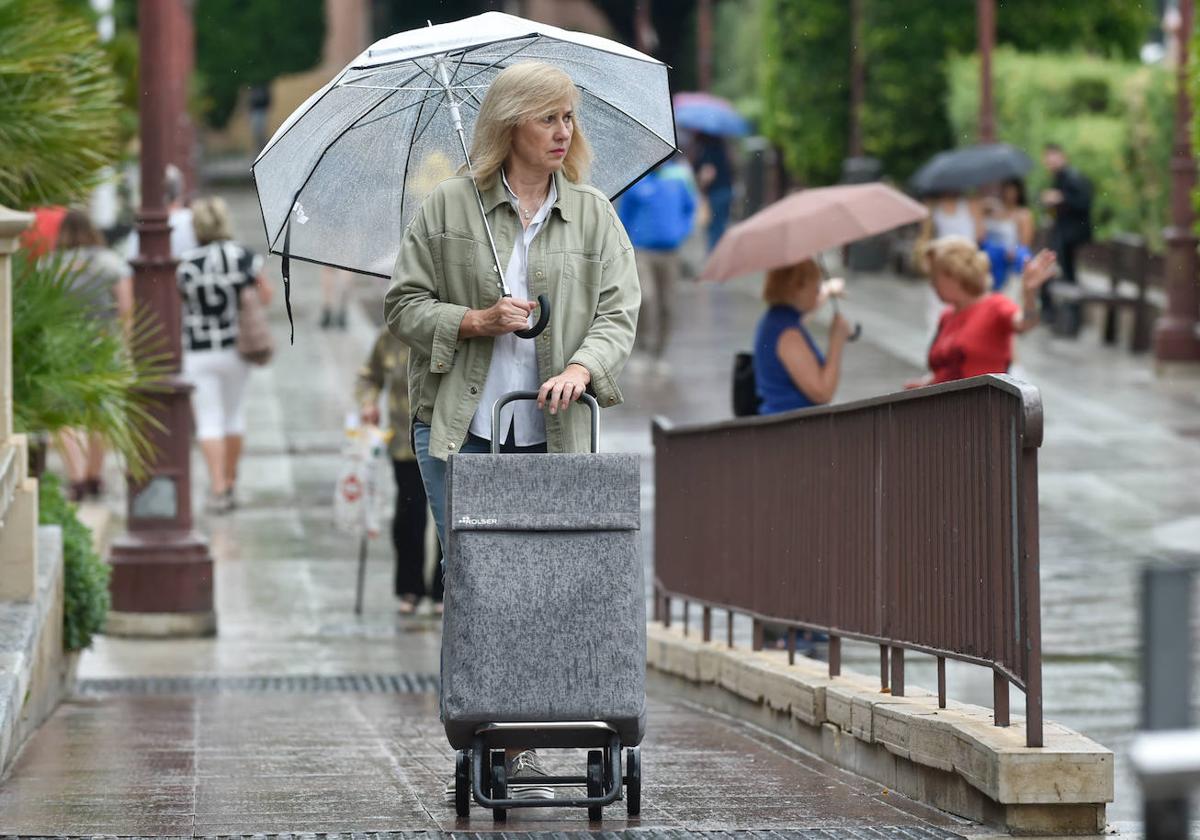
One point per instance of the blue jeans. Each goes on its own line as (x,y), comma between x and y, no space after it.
(719,201)
(433,470)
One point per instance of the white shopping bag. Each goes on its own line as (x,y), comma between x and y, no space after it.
(357,500)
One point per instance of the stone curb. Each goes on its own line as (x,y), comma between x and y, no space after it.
(35,673)
(908,743)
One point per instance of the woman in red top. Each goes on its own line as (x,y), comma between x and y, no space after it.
(975,333)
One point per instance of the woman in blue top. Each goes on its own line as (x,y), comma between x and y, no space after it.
(790,371)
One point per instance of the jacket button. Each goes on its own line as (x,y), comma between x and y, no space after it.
(449,445)
(441,365)
(539,274)
(474,390)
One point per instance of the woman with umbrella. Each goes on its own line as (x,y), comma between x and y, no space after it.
(558,238)
(790,371)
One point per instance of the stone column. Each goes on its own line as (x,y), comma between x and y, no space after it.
(162,583)
(1175,335)
(18,492)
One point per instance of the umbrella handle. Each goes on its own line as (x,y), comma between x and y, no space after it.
(542,321)
(857,333)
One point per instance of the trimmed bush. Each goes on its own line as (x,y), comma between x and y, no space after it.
(1113,118)
(85,598)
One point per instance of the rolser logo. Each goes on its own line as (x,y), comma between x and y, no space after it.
(467,520)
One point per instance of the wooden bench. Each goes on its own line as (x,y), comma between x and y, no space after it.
(1126,262)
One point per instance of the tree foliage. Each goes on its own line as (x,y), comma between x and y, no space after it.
(805,84)
(59,105)
(241,44)
(1113,117)
(905,44)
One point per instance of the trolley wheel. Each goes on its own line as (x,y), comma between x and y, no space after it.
(633,781)
(499,785)
(462,783)
(595,782)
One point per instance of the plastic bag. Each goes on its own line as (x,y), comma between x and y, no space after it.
(357,498)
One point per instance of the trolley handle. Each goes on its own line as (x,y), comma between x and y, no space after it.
(516,396)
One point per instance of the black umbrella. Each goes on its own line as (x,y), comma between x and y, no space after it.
(959,170)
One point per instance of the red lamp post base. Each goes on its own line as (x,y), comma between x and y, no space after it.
(162,585)
(1175,334)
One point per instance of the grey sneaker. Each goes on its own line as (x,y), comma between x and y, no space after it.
(523,776)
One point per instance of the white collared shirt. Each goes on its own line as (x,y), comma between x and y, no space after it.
(514,360)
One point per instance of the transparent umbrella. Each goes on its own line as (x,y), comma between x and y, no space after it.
(342,176)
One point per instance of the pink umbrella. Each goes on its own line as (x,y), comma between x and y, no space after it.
(805,224)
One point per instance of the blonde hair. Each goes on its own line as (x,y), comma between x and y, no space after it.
(210,220)
(961,258)
(519,94)
(781,284)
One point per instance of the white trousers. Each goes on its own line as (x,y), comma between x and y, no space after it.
(218,401)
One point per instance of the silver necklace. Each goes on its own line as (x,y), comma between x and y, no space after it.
(528,213)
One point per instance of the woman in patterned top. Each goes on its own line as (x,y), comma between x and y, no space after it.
(211,277)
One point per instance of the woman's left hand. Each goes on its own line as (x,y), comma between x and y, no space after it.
(560,391)
(1038,270)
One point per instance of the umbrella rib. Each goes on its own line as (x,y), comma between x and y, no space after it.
(317,164)
(627,115)
(460,50)
(645,59)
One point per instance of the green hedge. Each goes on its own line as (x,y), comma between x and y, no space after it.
(1113,118)
(86,598)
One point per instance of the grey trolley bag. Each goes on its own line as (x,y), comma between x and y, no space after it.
(544,633)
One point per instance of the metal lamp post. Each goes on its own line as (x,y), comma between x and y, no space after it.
(162,582)
(1175,335)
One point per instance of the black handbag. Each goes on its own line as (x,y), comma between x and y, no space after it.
(745,396)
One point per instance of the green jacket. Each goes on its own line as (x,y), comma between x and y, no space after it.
(387,368)
(582,259)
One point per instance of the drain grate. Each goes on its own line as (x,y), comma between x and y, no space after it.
(300,684)
(904,832)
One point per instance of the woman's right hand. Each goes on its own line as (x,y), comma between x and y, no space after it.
(502,317)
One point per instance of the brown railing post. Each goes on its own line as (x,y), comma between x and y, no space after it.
(657,603)
(1031,606)
(706,623)
(666,611)
(941,671)
(1000,698)
(897,672)
(686,604)
(835,656)
(883,668)
(729,628)
(758,640)
(791,645)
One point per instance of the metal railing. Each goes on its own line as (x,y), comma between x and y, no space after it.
(909,520)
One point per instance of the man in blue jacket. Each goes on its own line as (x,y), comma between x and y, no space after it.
(658,212)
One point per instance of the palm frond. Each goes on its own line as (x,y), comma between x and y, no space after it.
(72,369)
(60,105)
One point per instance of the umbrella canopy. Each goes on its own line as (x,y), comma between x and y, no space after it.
(709,114)
(959,170)
(344,174)
(804,224)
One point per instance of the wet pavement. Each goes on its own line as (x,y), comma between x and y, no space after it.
(227,750)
